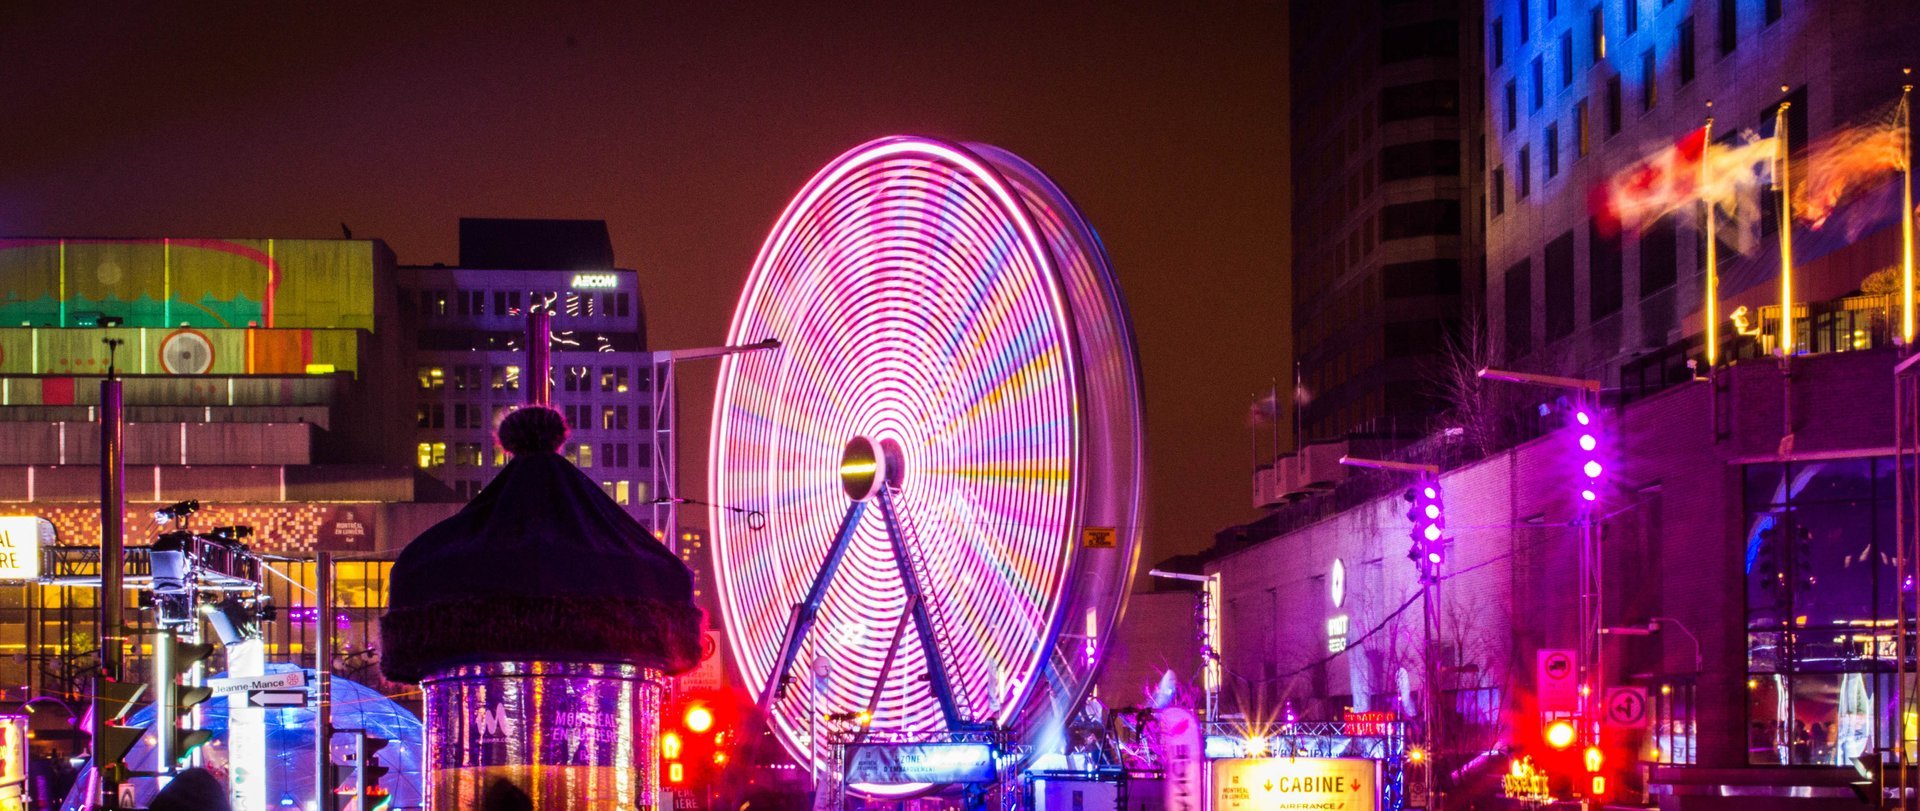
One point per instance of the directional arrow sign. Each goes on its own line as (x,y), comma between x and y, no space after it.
(277,698)
(246,684)
(1627,707)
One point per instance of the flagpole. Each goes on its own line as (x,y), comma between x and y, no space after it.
(1784,178)
(1713,259)
(1906,218)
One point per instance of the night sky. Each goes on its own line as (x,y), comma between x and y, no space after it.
(687,129)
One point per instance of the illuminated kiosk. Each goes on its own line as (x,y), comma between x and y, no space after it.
(540,621)
(929,497)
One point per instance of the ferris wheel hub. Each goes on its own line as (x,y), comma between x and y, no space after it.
(864,467)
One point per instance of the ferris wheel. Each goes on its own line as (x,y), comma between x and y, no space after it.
(927,500)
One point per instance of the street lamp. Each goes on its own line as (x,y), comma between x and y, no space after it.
(1586,413)
(1656,625)
(1209,622)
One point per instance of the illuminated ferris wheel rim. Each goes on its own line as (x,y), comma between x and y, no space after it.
(778,262)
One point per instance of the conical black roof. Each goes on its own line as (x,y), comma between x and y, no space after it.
(541,565)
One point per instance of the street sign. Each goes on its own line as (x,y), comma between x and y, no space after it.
(1627,707)
(277,698)
(1098,537)
(1557,680)
(246,684)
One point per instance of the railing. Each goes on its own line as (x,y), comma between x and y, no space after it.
(936,613)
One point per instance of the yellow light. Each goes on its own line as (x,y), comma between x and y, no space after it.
(1599,785)
(670,746)
(319,368)
(1595,758)
(1753,684)
(676,772)
(1416,754)
(720,757)
(699,719)
(1666,689)
(1656,753)
(1560,734)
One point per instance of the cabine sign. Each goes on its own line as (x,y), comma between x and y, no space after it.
(1296,784)
(900,764)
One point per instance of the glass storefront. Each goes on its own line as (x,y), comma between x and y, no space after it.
(1821,582)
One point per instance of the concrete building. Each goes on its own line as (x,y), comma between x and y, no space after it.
(467,326)
(1579,91)
(1751,519)
(1386,217)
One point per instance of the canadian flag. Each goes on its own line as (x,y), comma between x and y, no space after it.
(1659,183)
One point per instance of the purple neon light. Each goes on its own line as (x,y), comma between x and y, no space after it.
(922,296)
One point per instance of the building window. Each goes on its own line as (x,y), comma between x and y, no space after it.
(1649,89)
(1435,39)
(1424,277)
(1818,550)
(473,302)
(467,416)
(433,303)
(1539,84)
(1497,194)
(1686,51)
(1614,105)
(1438,98)
(499,414)
(1605,270)
(432,378)
(1418,219)
(580,454)
(1553,9)
(613,379)
(430,415)
(1513,105)
(431,454)
(1525,18)
(579,378)
(1582,129)
(506,302)
(579,417)
(1552,144)
(614,454)
(1772,11)
(1597,32)
(1671,724)
(613,418)
(467,454)
(1497,42)
(1525,178)
(1518,285)
(1659,256)
(1559,292)
(1729,26)
(1566,59)
(621,491)
(1420,159)
(506,378)
(1633,16)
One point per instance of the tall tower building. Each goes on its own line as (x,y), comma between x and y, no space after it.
(1386,217)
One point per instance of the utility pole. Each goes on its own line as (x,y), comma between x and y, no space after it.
(113,506)
(323,676)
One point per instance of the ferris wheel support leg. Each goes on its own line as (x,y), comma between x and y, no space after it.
(808,609)
(922,622)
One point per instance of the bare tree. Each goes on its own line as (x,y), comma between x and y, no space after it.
(1481,414)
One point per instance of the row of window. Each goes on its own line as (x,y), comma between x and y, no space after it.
(1659,270)
(468,303)
(623,492)
(431,455)
(1728,17)
(580,416)
(564,340)
(505,378)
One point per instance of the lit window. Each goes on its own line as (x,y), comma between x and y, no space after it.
(622,491)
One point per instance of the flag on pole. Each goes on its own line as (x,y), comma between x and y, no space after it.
(1737,173)
(1849,162)
(1661,182)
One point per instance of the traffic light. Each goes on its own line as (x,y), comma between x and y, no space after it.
(672,748)
(1596,785)
(1559,733)
(370,771)
(354,771)
(177,673)
(1587,431)
(116,700)
(1426,510)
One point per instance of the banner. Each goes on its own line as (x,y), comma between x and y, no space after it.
(1295,784)
(907,763)
(1182,756)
